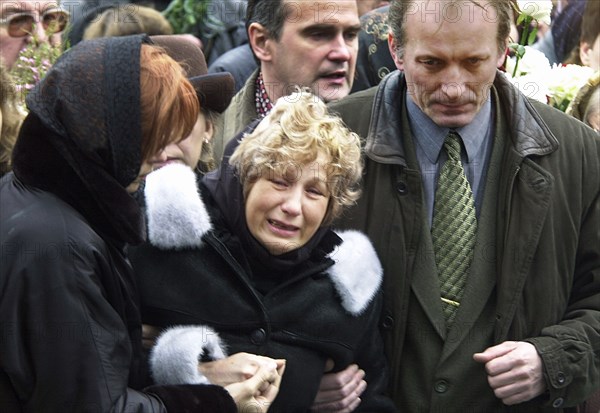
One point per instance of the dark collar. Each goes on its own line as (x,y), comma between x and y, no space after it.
(528,132)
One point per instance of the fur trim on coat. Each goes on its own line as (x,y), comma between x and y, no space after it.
(174,358)
(176,215)
(177,219)
(357,272)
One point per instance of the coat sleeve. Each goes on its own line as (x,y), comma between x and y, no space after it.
(569,349)
(63,346)
(174,357)
(371,358)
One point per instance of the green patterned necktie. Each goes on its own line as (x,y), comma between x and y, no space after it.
(453,229)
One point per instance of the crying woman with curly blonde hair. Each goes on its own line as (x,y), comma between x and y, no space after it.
(250,267)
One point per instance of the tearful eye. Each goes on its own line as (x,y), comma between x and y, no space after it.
(315,191)
(279,182)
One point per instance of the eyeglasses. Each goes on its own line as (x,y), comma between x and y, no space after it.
(22,24)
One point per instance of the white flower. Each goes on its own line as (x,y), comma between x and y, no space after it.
(564,82)
(533,61)
(538,9)
(531,85)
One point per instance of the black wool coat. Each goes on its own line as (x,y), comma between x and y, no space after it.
(194,271)
(69,317)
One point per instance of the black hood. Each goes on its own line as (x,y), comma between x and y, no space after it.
(82,138)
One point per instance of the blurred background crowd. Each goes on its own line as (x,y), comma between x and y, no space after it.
(34,34)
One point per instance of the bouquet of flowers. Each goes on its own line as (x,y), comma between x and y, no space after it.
(564,82)
(556,85)
(530,71)
(31,66)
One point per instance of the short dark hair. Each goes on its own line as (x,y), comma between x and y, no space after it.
(271,14)
(399,9)
(589,24)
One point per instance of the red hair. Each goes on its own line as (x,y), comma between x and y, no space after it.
(169,102)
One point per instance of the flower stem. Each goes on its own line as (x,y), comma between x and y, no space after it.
(523,41)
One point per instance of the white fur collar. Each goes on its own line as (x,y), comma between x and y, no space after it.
(177,218)
(357,272)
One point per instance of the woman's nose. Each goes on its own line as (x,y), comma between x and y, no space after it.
(159,157)
(292,204)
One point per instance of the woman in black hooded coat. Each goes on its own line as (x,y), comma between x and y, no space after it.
(249,261)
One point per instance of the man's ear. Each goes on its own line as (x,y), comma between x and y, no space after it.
(393,46)
(585,52)
(502,55)
(209,129)
(259,39)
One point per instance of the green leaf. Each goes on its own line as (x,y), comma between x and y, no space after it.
(190,19)
(173,8)
(188,6)
(532,36)
(186,16)
(520,19)
(564,105)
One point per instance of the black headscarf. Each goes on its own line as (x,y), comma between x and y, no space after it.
(226,191)
(82,137)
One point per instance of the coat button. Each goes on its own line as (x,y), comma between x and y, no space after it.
(560,378)
(388,322)
(258,337)
(441,386)
(558,402)
(402,188)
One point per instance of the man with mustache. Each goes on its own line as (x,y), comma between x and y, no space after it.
(496,309)
(297,43)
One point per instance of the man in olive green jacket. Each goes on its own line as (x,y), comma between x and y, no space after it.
(526,336)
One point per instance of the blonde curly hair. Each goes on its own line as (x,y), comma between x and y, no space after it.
(296,131)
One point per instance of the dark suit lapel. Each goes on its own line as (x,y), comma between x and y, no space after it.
(527,201)
(426,286)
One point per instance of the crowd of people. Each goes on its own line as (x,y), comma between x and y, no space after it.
(326,206)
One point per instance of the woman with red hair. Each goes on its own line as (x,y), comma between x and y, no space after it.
(68,302)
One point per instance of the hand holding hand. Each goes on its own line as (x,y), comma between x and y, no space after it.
(258,392)
(340,392)
(514,371)
(234,369)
